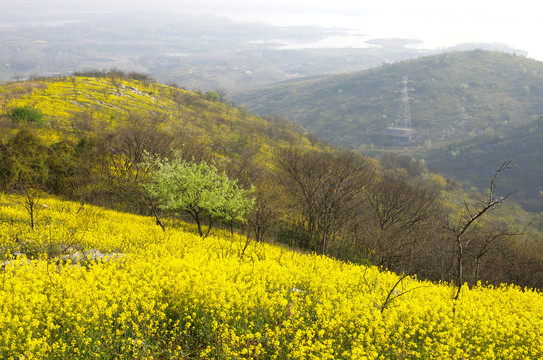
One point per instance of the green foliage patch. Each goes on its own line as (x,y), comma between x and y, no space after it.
(27,114)
(200,190)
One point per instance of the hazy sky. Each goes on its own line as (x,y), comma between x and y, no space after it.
(437,23)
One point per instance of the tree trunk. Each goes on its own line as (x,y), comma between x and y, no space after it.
(460,277)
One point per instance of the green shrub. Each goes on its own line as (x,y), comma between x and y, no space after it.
(28,114)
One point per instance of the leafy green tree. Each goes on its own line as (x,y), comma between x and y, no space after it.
(199,190)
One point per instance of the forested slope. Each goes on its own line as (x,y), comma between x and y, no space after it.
(521,144)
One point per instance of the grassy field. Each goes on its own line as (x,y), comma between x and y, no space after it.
(98,284)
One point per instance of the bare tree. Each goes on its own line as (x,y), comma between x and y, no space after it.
(483,250)
(267,206)
(31,201)
(468,220)
(325,188)
(221,93)
(398,215)
(139,133)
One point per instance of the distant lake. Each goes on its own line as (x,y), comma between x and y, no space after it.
(432,32)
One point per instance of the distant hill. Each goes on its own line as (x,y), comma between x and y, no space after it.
(459,97)
(452,96)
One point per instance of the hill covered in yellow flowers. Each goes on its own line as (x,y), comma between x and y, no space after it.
(76,104)
(112,285)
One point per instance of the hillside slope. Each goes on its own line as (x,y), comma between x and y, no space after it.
(84,137)
(79,104)
(115,286)
(485,153)
(461,97)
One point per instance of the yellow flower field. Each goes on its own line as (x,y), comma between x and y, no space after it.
(106,285)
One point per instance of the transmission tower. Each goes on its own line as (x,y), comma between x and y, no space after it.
(404,114)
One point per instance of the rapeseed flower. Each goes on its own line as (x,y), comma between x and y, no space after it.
(134,291)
